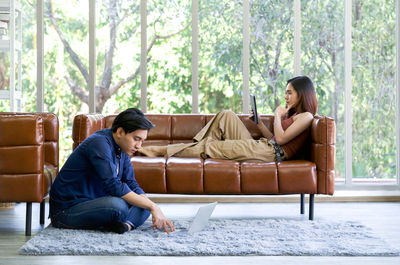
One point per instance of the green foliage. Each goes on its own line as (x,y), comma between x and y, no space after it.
(323,60)
(220,56)
(373,105)
(169,70)
(271,51)
(374,83)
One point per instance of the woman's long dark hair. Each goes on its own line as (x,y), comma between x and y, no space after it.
(306,94)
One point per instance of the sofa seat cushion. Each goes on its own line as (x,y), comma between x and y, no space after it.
(185,175)
(150,173)
(297,176)
(259,178)
(22,188)
(221,176)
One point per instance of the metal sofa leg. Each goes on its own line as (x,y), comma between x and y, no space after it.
(302,203)
(28,225)
(42,211)
(311,209)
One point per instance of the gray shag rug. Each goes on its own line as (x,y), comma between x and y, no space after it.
(222,237)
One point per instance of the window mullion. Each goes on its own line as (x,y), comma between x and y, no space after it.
(297,37)
(143,55)
(195,56)
(348,94)
(92,56)
(40,56)
(398,91)
(246,55)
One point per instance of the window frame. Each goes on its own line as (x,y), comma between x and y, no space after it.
(348,185)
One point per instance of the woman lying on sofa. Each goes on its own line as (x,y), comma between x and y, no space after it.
(226,137)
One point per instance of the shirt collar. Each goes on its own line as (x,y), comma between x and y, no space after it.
(115,145)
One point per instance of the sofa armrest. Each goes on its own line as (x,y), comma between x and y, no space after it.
(85,125)
(323,148)
(51,140)
(22,158)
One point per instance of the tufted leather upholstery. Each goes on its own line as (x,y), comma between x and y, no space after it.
(313,173)
(28,158)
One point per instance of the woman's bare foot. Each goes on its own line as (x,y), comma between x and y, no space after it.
(153,151)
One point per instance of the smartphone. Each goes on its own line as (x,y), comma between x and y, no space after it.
(254,108)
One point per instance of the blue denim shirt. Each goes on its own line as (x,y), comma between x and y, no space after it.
(95,169)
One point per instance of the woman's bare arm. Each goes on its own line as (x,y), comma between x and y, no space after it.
(300,122)
(264,130)
(266,133)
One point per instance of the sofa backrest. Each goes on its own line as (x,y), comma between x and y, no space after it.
(85,125)
(169,128)
(51,135)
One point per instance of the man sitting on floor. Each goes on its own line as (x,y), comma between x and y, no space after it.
(96,188)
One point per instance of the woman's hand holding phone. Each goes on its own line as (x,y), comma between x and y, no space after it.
(251,115)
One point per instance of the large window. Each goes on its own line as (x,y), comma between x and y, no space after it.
(322,59)
(28,70)
(169,67)
(118,55)
(4,78)
(220,54)
(374,90)
(65,65)
(271,51)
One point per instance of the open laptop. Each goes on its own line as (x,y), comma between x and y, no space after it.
(200,220)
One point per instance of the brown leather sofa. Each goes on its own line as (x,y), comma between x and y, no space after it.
(28,159)
(310,173)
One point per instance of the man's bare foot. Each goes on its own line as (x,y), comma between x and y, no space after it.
(153,151)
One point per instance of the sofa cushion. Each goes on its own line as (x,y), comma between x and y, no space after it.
(297,176)
(108,120)
(51,153)
(150,173)
(22,188)
(259,178)
(86,125)
(21,159)
(221,176)
(186,126)
(162,129)
(185,175)
(26,130)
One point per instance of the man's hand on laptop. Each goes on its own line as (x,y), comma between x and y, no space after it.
(159,220)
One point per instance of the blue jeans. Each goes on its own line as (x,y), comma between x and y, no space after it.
(100,214)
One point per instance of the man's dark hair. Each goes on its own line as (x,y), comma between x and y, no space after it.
(131,120)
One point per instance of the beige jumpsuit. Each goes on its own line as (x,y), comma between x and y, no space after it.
(225,137)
